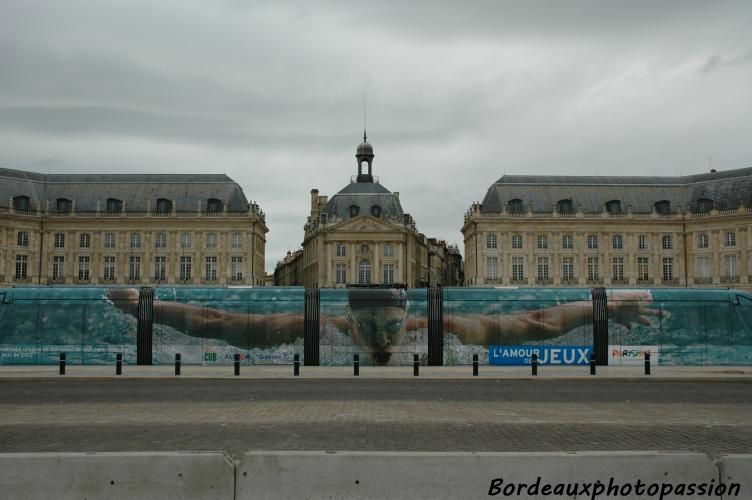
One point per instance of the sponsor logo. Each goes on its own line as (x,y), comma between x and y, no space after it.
(547,355)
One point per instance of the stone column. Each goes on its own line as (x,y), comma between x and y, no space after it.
(743,259)
(715,241)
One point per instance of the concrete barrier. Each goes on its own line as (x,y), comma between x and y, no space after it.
(159,476)
(737,469)
(335,475)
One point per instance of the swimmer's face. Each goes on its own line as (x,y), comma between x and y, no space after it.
(378,328)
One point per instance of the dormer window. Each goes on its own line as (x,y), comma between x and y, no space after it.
(63,205)
(376,211)
(663,207)
(354,210)
(704,205)
(164,205)
(515,206)
(114,205)
(613,207)
(22,203)
(565,206)
(213,205)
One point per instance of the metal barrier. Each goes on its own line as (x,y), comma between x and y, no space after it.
(144,332)
(311,327)
(435,326)
(600,326)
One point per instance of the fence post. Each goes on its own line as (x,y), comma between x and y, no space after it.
(62,363)
(118,364)
(237,364)
(647,363)
(592,364)
(475,365)
(296,365)
(416,365)
(177,363)
(534,363)
(356,365)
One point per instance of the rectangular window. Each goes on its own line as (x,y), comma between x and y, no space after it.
(236,268)
(567,268)
(592,241)
(211,240)
(668,268)
(59,240)
(341,250)
(134,268)
(643,269)
(211,268)
(593,273)
(58,267)
(186,240)
(388,250)
(702,240)
(667,242)
(618,269)
(136,240)
(84,240)
(237,240)
(730,240)
(491,241)
(23,239)
(109,268)
(160,268)
(341,274)
(543,273)
(160,240)
(388,274)
(22,267)
(185,268)
(109,240)
(83,268)
(492,268)
(516,241)
(729,265)
(642,242)
(542,241)
(567,242)
(704,270)
(617,242)
(518,268)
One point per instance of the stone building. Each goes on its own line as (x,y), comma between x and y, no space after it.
(361,235)
(141,229)
(612,231)
(289,271)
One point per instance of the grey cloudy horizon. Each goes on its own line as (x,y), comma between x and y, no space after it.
(459,93)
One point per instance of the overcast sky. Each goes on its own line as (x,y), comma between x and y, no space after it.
(458,94)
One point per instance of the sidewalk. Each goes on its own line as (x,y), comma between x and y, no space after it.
(631,373)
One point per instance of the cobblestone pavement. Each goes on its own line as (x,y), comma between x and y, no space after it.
(399,414)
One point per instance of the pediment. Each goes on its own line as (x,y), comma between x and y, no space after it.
(366,224)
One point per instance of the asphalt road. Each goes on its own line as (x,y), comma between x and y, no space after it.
(370,414)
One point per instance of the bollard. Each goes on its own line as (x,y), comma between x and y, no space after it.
(475,365)
(356,365)
(62,363)
(296,365)
(534,363)
(177,363)
(647,363)
(118,364)
(416,365)
(237,364)
(592,364)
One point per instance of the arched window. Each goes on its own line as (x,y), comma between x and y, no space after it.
(114,205)
(613,207)
(376,211)
(354,210)
(164,205)
(22,203)
(704,205)
(515,206)
(63,205)
(364,272)
(213,205)
(565,206)
(663,207)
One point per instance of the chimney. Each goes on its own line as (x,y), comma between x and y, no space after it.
(314,199)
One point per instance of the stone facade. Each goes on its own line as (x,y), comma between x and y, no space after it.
(694,242)
(116,235)
(362,236)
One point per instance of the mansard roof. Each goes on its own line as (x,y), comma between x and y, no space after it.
(364,196)
(136,190)
(727,189)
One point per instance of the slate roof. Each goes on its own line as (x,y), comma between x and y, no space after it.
(727,189)
(136,190)
(364,195)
